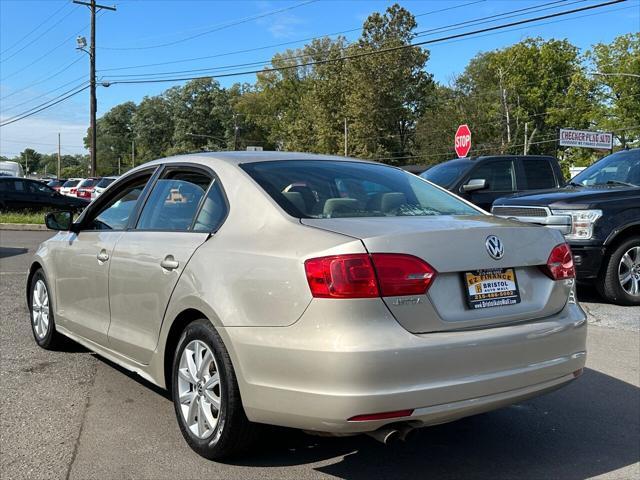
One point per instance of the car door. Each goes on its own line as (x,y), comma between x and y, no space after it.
(41,196)
(83,260)
(501,181)
(147,261)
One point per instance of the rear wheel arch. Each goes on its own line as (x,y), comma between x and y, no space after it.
(183,319)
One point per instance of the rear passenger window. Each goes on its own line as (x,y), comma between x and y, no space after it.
(174,201)
(538,173)
(213,211)
(498,174)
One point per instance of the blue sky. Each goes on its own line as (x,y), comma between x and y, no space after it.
(221,27)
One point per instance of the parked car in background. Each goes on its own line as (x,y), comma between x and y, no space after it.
(481,180)
(56,183)
(23,194)
(599,214)
(11,169)
(70,186)
(86,186)
(309,291)
(101,186)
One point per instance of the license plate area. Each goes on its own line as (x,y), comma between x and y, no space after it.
(491,288)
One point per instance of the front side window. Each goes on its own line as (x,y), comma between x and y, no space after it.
(116,214)
(498,174)
(333,189)
(37,187)
(174,201)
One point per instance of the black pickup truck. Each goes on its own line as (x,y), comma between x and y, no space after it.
(598,212)
(483,179)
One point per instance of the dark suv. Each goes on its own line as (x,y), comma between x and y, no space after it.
(599,214)
(481,180)
(23,194)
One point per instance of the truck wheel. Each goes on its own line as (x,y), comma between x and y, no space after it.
(619,281)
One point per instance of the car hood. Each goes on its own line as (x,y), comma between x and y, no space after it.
(571,197)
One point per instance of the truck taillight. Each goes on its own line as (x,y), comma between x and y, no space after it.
(560,263)
(366,276)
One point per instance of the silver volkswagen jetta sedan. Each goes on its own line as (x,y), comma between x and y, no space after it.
(323,293)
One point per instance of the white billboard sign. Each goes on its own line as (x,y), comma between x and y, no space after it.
(586,139)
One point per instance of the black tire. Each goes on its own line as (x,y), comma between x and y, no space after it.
(52,340)
(608,282)
(233,433)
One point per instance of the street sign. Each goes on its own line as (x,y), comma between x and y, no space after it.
(585,139)
(463,141)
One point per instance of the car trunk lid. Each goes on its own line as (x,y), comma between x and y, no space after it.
(454,246)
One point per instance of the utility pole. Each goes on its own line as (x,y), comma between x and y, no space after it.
(93,107)
(346,138)
(58,172)
(133,153)
(235,132)
(526,128)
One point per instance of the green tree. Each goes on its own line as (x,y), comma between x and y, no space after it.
(114,137)
(153,127)
(387,92)
(616,68)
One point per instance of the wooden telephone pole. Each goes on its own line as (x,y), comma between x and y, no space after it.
(93,7)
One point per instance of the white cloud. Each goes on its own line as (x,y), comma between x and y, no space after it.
(285,26)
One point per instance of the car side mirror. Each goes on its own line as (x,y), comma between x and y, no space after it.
(475,184)
(62,221)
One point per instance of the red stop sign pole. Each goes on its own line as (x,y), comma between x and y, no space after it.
(463,141)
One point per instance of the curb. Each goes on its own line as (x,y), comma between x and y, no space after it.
(23,226)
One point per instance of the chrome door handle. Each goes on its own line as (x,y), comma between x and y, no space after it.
(169,263)
(103,256)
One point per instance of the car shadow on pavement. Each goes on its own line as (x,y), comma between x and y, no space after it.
(6,252)
(586,429)
(589,293)
(134,376)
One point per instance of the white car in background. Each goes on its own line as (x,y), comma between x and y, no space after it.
(101,186)
(70,187)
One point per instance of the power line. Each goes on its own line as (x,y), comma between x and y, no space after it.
(374,52)
(62,70)
(24,37)
(216,29)
(47,53)
(266,47)
(44,107)
(13,107)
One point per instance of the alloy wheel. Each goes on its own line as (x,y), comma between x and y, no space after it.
(199,389)
(40,309)
(629,271)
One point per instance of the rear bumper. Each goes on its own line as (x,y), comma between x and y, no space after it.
(343,359)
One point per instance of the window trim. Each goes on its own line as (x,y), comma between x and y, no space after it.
(167,167)
(99,203)
(514,176)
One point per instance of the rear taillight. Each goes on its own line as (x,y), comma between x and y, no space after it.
(560,263)
(365,276)
(342,276)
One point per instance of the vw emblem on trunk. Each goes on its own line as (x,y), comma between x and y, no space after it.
(494,247)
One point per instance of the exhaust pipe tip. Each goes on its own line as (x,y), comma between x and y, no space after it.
(385,436)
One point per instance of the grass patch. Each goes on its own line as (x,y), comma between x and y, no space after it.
(22,217)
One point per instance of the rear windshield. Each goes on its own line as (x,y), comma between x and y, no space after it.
(105,182)
(336,189)
(70,183)
(446,174)
(88,182)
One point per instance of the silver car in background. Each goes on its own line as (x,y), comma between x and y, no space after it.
(322,293)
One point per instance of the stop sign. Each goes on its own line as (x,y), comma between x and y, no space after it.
(463,141)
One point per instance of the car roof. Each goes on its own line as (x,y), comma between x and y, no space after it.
(237,158)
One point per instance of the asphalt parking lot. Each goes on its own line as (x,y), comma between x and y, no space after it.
(73,415)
